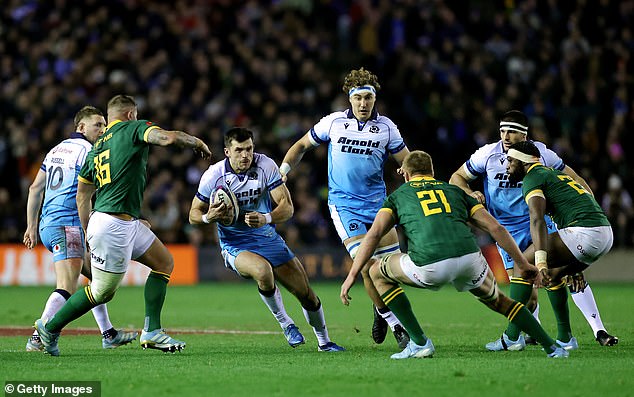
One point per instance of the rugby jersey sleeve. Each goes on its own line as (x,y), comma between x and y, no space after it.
(389,206)
(476,165)
(532,185)
(207,184)
(395,143)
(320,133)
(471,203)
(81,158)
(87,172)
(141,131)
(272,175)
(550,158)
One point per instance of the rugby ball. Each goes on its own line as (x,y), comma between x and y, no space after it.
(224,195)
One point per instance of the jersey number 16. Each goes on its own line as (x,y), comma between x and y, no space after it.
(102,168)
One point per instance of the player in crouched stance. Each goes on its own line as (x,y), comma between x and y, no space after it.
(250,245)
(442,250)
(584,233)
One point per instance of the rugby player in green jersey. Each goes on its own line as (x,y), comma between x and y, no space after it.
(441,250)
(584,234)
(115,170)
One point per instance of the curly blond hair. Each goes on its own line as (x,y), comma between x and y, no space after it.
(360,77)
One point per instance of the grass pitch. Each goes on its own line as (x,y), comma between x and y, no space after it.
(258,362)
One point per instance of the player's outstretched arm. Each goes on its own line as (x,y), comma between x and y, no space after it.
(161,137)
(295,154)
(33,203)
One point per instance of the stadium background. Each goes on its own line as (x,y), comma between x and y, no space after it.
(447,70)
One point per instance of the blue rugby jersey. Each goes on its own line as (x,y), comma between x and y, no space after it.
(252,189)
(504,199)
(357,152)
(62,165)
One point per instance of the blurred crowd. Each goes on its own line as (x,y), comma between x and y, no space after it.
(448,69)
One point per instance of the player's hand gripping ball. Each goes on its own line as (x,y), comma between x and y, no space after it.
(226,196)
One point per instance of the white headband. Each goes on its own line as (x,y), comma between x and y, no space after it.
(509,125)
(527,158)
(364,89)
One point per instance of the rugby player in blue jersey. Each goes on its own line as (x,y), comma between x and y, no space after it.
(359,143)
(503,198)
(250,245)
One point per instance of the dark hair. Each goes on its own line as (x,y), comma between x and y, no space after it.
(515,116)
(84,112)
(418,162)
(120,103)
(239,134)
(526,147)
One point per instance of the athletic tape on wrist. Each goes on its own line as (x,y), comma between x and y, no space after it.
(205,219)
(267,217)
(285,168)
(541,257)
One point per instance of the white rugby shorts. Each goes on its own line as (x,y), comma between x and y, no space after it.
(464,272)
(113,241)
(587,244)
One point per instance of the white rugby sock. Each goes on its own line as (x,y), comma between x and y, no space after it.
(276,306)
(53,304)
(318,322)
(536,313)
(100,312)
(389,317)
(588,306)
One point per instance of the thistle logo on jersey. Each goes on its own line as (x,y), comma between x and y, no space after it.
(503,179)
(357,146)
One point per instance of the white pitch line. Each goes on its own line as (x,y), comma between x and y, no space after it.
(170,330)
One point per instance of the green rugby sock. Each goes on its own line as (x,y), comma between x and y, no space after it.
(155,291)
(558,296)
(524,321)
(80,303)
(398,303)
(521,291)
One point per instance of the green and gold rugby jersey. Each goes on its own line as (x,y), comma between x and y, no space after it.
(434,216)
(567,202)
(116,165)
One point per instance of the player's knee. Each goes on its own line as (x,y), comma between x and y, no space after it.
(169,264)
(104,285)
(263,274)
(494,299)
(101,292)
(375,271)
